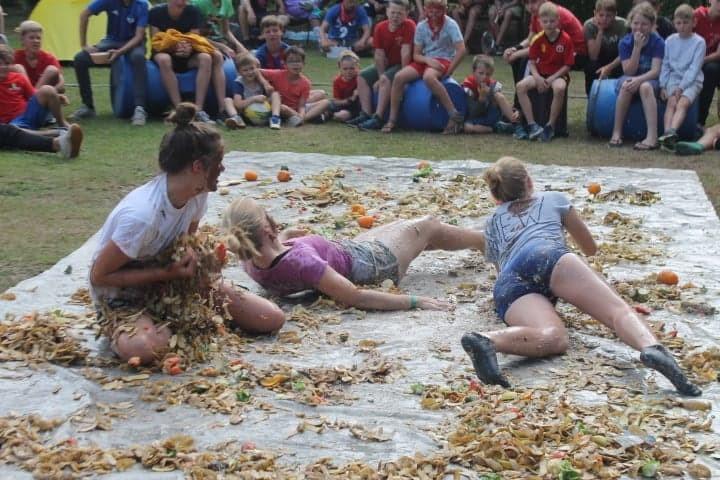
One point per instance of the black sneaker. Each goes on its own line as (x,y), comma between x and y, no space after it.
(372,123)
(354,122)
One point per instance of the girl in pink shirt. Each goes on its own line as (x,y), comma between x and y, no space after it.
(289,261)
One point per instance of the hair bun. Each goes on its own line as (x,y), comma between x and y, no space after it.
(183,114)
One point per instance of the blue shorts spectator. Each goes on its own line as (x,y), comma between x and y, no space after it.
(34,116)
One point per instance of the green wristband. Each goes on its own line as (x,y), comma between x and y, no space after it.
(413,302)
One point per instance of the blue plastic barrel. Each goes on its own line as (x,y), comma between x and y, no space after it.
(157,99)
(420,110)
(601,114)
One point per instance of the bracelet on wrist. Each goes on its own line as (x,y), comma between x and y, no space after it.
(413,302)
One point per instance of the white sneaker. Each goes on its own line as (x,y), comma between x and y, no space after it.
(295,121)
(70,141)
(203,117)
(139,116)
(275,123)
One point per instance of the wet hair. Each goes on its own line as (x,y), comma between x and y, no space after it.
(295,51)
(6,55)
(400,3)
(29,26)
(606,6)
(348,55)
(483,61)
(507,179)
(684,12)
(245,60)
(644,9)
(548,9)
(243,221)
(188,141)
(271,21)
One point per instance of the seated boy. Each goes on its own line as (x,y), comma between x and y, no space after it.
(41,67)
(248,88)
(663,25)
(551,56)
(501,13)
(393,43)
(342,26)
(486,102)
(344,104)
(707,25)
(177,15)
(250,16)
(271,54)
(67,144)
(125,36)
(681,76)
(20,104)
(603,33)
(438,50)
(709,141)
(217,15)
(294,88)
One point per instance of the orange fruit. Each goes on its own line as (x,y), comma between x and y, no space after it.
(357,209)
(423,164)
(594,188)
(283,176)
(366,221)
(668,277)
(251,176)
(175,370)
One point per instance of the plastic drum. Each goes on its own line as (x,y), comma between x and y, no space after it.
(601,114)
(157,99)
(421,111)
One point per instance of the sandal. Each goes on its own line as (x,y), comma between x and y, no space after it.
(644,147)
(388,127)
(615,143)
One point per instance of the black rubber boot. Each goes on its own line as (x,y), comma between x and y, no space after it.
(484,358)
(659,358)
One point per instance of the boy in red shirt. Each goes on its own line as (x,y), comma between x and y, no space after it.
(551,56)
(20,104)
(41,67)
(393,44)
(344,103)
(486,102)
(294,89)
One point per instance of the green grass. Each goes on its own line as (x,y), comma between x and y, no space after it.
(50,206)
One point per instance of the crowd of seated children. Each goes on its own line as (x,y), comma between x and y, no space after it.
(346,24)
(486,102)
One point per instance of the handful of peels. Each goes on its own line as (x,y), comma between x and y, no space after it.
(186,306)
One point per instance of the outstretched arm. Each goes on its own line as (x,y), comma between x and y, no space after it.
(580,233)
(344,291)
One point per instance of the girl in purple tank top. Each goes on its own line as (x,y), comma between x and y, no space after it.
(289,261)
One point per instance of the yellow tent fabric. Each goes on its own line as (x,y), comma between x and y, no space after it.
(60,19)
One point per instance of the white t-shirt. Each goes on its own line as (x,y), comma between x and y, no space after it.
(143,224)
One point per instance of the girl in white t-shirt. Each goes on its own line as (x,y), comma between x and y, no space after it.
(525,239)
(148,220)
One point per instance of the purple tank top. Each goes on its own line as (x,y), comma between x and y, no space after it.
(302,266)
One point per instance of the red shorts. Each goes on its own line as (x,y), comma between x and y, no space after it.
(421,67)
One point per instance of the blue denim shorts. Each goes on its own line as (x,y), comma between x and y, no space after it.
(528,272)
(372,262)
(34,116)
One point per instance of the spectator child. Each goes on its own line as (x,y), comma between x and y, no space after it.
(303,11)
(126,24)
(438,50)
(294,88)
(681,76)
(248,88)
(663,25)
(344,104)
(217,15)
(710,140)
(603,33)
(551,56)
(707,25)
(641,54)
(178,15)
(346,24)
(41,67)
(393,44)
(271,54)
(486,103)
(67,144)
(20,104)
